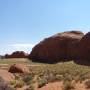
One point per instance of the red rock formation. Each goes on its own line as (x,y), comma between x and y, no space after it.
(18,68)
(17,54)
(85,46)
(60,46)
(84,50)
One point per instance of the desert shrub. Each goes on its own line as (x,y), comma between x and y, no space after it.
(87,83)
(77,78)
(13,82)
(41,83)
(59,77)
(84,76)
(67,85)
(48,75)
(19,84)
(28,79)
(68,77)
(31,87)
(67,82)
(17,77)
(81,77)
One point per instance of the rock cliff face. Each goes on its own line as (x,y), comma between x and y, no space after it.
(85,47)
(17,54)
(59,47)
(84,50)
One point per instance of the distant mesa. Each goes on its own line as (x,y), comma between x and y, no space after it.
(1,56)
(65,46)
(17,54)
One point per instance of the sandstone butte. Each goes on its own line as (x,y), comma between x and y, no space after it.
(70,45)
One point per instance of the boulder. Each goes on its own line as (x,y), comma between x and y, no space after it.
(17,54)
(5,85)
(56,48)
(7,76)
(18,68)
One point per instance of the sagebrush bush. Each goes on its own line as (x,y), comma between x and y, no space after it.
(59,77)
(68,85)
(19,84)
(28,79)
(41,82)
(13,82)
(17,77)
(68,77)
(87,83)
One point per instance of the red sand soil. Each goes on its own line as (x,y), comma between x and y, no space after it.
(52,86)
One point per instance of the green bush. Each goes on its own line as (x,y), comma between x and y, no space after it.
(28,79)
(13,82)
(41,83)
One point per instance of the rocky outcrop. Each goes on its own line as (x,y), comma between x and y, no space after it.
(18,68)
(5,85)
(17,54)
(84,50)
(58,47)
(7,76)
(85,47)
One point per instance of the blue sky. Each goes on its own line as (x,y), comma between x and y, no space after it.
(23,23)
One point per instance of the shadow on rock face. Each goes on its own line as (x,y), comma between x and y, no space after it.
(44,61)
(49,61)
(77,61)
(82,62)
